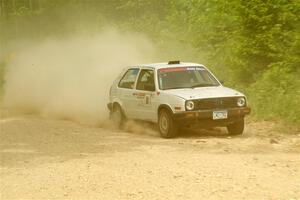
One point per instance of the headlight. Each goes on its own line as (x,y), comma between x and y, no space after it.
(189,105)
(241,101)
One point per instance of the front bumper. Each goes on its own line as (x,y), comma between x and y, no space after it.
(205,117)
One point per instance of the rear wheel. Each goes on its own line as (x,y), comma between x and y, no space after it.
(166,125)
(117,117)
(236,128)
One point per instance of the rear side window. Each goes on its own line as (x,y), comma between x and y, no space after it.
(129,78)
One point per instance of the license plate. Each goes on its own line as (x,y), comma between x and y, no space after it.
(221,114)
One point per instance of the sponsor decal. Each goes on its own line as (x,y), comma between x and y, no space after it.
(180,69)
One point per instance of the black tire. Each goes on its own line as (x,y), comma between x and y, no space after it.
(117,117)
(166,125)
(236,128)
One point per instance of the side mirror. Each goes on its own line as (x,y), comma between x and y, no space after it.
(222,82)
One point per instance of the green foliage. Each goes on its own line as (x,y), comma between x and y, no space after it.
(277,93)
(253,45)
(269,33)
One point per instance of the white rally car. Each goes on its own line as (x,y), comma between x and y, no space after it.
(176,94)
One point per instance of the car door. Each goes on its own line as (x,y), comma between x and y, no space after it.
(126,89)
(145,95)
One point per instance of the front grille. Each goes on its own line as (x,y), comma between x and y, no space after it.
(216,103)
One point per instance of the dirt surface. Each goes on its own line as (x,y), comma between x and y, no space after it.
(56,159)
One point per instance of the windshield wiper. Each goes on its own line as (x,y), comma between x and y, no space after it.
(194,86)
(203,85)
(170,88)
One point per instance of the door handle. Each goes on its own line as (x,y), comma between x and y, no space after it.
(134,94)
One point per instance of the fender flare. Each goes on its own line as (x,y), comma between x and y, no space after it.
(164,106)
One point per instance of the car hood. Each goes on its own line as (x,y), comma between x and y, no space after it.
(203,92)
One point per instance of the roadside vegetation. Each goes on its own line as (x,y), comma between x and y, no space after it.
(253,45)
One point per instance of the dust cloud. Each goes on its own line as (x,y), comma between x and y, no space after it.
(70,78)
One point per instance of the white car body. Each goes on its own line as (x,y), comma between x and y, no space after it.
(145,105)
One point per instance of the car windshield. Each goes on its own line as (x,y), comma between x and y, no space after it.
(185,77)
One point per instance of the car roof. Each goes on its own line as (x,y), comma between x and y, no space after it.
(167,65)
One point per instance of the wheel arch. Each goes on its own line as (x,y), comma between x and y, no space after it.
(117,103)
(164,106)
(114,104)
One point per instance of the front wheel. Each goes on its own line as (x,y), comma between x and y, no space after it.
(236,128)
(166,125)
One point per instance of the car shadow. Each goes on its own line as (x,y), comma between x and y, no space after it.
(196,133)
(150,129)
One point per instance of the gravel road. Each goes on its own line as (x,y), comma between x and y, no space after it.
(45,158)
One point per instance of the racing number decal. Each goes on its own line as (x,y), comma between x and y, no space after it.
(145,99)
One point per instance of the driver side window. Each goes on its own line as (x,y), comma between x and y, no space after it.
(146,80)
